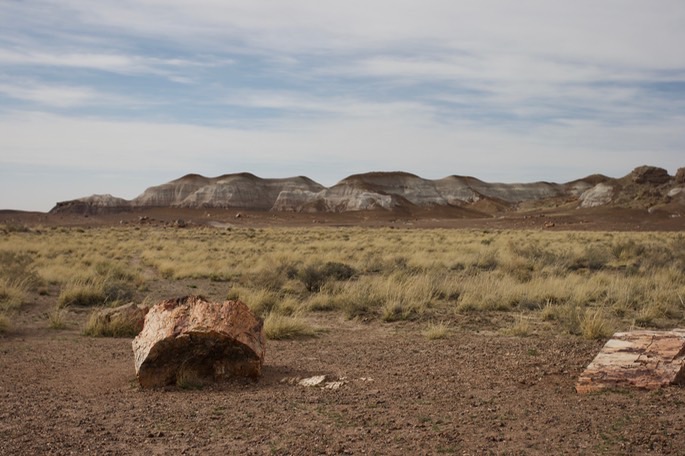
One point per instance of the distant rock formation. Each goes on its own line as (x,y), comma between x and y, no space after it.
(680,176)
(650,175)
(94,204)
(243,190)
(645,187)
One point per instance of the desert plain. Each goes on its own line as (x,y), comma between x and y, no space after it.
(446,335)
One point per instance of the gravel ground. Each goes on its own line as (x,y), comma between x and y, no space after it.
(475,392)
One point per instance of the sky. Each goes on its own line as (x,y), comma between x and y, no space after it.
(114,96)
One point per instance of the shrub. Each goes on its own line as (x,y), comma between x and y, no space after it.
(339,271)
(314,276)
(272,274)
(627,249)
(594,258)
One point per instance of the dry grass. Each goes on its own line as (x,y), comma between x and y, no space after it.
(389,275)
(83,292)
(17,278)
(593,325)
(435,331)
(522,327)
(12,294)
(57,319)
(97,326)
(277,327)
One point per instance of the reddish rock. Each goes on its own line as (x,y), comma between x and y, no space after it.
(637,359)
(191,338)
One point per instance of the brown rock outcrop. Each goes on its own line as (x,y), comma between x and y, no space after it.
(637,359)
(650,175)
(680,176)
(192,339)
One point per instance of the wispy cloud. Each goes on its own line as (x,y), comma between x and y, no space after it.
(116,63)
(435,87)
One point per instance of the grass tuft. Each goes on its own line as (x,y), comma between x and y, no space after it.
(12,294)
(278,327)
(82,293)
(57,319)
(593,325)
(94,291)
(99,325)
(436,331)
(520,328)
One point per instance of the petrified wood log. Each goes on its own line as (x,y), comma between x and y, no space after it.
(637,359)
(191,339)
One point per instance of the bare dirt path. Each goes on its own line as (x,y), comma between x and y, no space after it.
(472,393)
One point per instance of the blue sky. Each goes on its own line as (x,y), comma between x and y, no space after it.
(115,96)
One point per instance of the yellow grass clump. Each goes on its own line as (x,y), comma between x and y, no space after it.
(435,331)
(277,327)
(97,326)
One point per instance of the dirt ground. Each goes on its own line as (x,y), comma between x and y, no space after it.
(593,219)
(475,392)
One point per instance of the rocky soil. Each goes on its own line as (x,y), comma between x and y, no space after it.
(475,392)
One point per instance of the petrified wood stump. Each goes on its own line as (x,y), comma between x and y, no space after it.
(191,339)
(637,359)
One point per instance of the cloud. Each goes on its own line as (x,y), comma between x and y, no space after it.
(112,62)
(61,96)
(401,142)
(583,30)
(503,90)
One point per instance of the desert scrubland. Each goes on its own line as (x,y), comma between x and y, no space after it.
(457,341)
(586,284)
